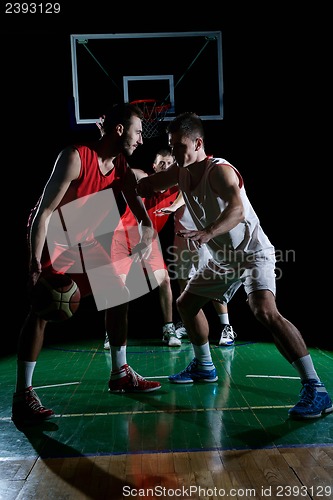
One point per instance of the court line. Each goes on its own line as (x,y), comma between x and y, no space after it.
(153,412)
(56,385)
(247,376)
(272,376)
(167,376)
(173,411)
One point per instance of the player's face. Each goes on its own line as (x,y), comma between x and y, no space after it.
(162,162)
(183,149)
(132,137)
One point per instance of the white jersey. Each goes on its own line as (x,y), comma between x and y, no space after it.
(183,219)
(188,256)
(243,243)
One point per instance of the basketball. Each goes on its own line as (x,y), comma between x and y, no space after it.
(55,298)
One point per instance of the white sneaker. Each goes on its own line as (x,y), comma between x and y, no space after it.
(227,336)
(180,330)
(106,342)
(169,336)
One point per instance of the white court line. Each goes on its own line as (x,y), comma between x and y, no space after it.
(165,411)
(167,376)
(56,385)
(170,411)
(272,376)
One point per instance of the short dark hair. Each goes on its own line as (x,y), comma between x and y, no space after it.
(121,113)
(188,124)
(165,151)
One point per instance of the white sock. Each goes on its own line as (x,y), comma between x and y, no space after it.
(203,354)
(118,356)
(25,370)
(224,318)
(305,368)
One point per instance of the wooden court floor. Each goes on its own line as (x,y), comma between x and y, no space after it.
(232,438)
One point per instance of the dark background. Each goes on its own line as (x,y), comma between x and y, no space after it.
(274,64)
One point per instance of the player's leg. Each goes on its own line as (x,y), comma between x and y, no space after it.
(166,302)
(182,268)
(122,377)
(260,288)
(120,257)
(27,407)
(228,334)
(157,272)
(201,368)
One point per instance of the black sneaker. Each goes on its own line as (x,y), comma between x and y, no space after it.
(28,409)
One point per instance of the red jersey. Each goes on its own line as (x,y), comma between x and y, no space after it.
(88,209)
(91,180)
(82,209)
(127,234)
(157,201)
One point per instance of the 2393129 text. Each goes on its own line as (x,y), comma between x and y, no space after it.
(32,8)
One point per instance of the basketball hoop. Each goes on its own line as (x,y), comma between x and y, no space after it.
(153,114)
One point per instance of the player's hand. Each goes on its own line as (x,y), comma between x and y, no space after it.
(35,270)
(194,235)
(143,249)
(163,211)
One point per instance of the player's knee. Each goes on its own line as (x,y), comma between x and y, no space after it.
(264,315)
(184,306)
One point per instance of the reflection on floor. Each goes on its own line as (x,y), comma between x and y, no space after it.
(245,409)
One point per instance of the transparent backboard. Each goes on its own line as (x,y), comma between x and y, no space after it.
(183,69)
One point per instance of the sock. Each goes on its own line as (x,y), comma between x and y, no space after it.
(224,319)
(305,368)
(118,356)
(25,370)
(203,354)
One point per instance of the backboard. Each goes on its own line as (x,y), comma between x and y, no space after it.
(182,69)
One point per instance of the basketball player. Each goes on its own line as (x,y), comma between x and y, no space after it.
(186,259)
(241,252)
(80,195)
(126,236)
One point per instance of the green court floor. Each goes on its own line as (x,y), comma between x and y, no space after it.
(245,409)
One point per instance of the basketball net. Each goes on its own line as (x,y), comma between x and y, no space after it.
(153,114)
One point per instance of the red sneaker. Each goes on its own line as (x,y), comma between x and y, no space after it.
(127,380)
(28,409)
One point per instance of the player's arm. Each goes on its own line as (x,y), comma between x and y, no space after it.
(179,202)
(139,174)
(138,208)
(67,168)
(223,181)
(159,181)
